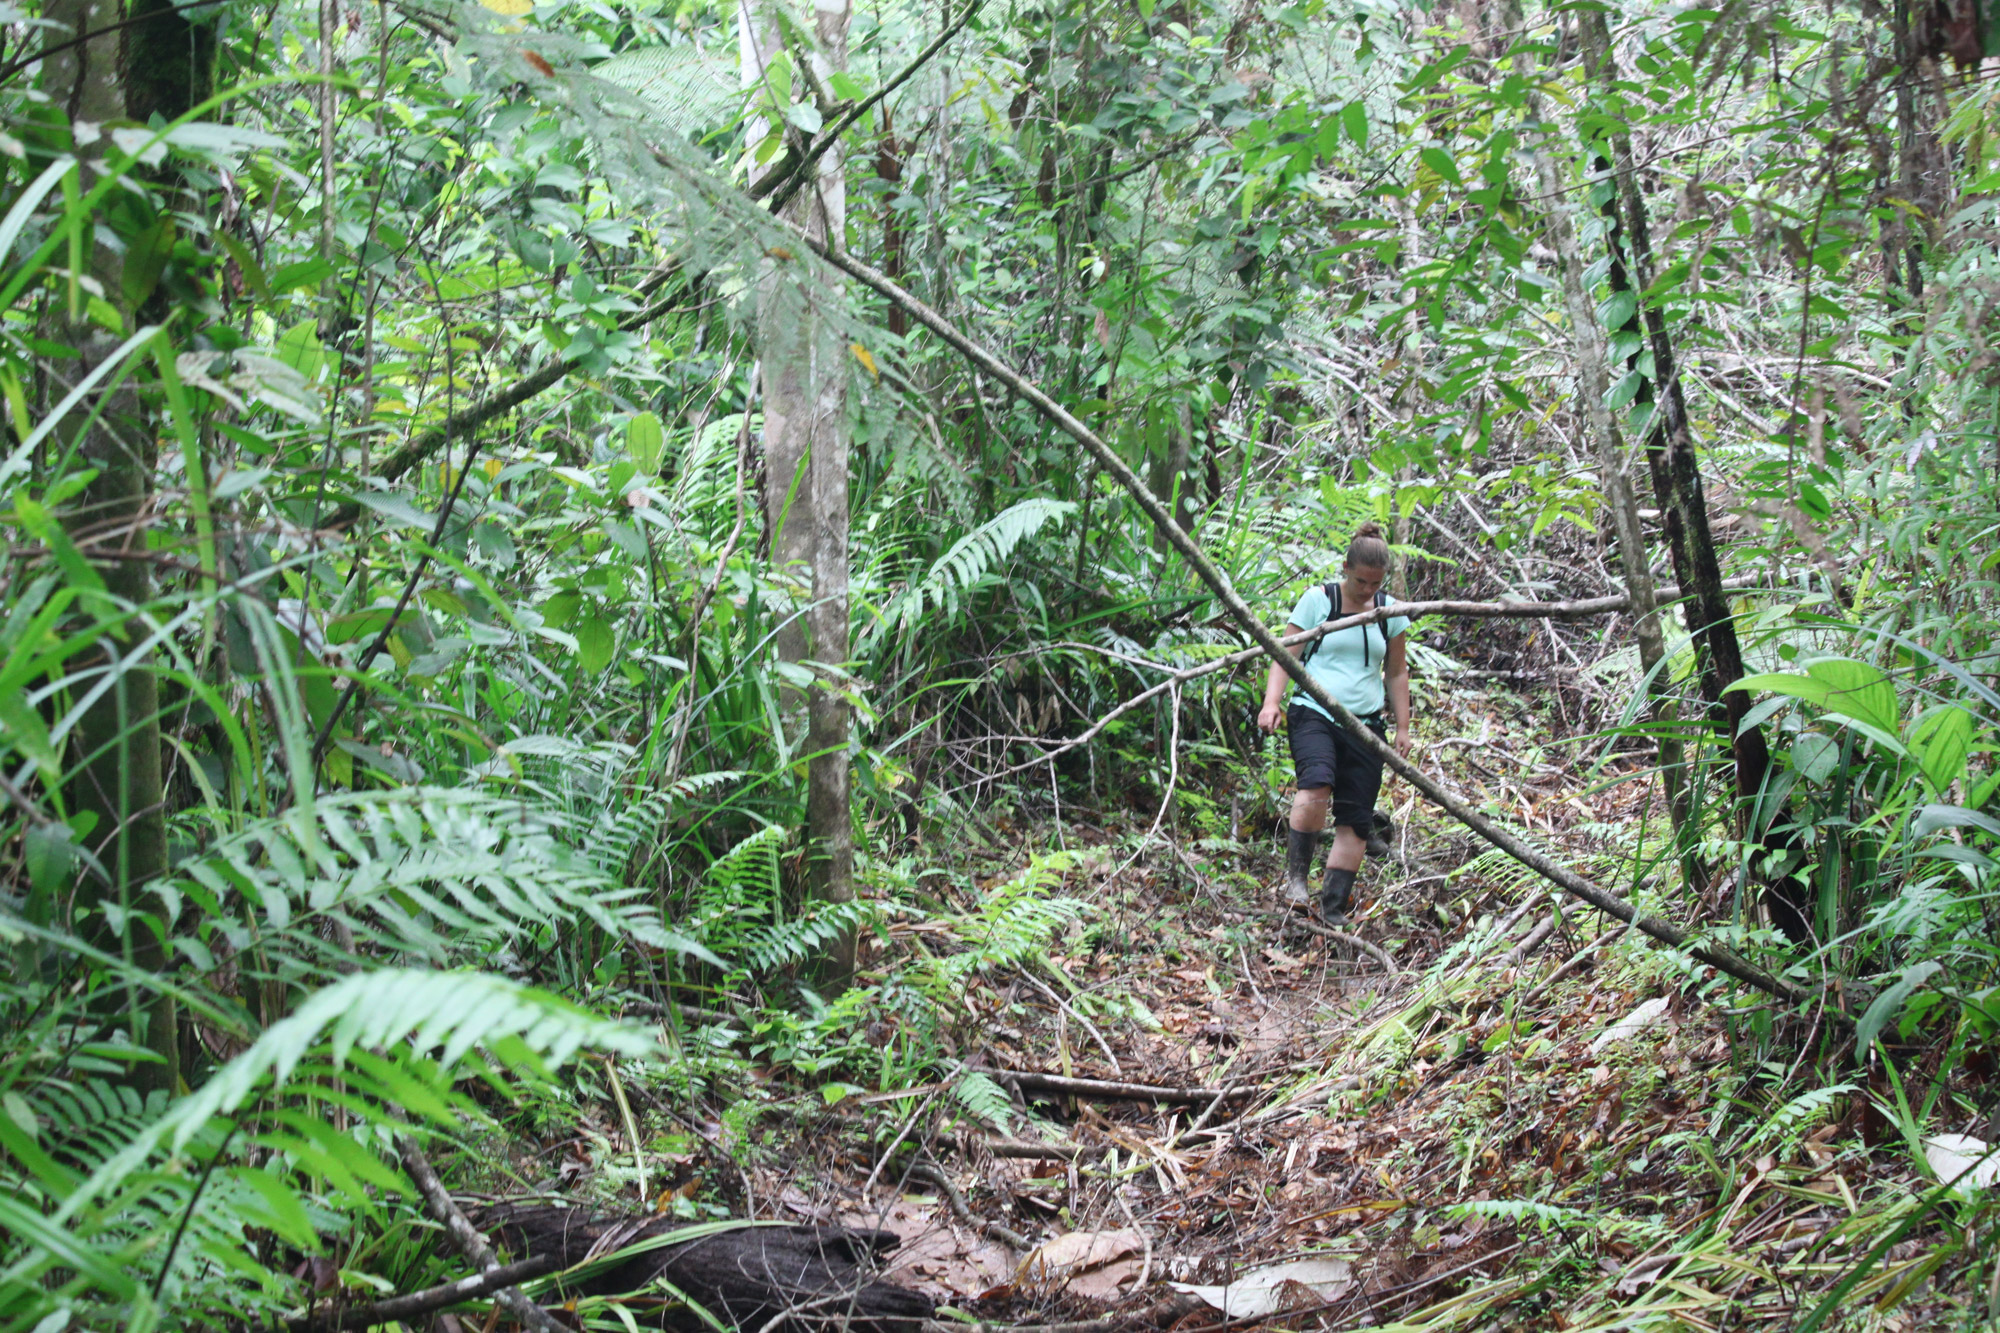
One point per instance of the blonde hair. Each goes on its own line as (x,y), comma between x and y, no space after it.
(1368,549)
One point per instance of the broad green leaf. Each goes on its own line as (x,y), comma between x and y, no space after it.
(1889,1002)
(1354,120)
(1441,163)
(1617,310)
(1815,755)
(1931,818)
(50,852)
(594,642)
(1857,690)
(1942,741)
(1782,682)
(645,438)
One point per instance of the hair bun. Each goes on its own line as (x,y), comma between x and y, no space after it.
(1368,530)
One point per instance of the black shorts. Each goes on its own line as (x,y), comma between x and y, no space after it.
(1324,755)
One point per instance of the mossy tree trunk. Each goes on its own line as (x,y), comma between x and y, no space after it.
(129,64)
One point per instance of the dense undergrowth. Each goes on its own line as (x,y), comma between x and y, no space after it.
(421,732)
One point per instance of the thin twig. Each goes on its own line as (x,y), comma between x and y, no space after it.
(1576,960)
(468,419)
(1354,942)
(794,180)
(429,1299)
(466,1236)
(1485,610)
(868,1189)
(1105,1090)
(1532,939)
(1082,1022)
(955,1201)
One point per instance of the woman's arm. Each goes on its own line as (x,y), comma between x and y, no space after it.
(1396,680)
(1273,711)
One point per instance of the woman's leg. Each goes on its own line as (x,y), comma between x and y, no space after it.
(1312,744)
(1302,841)
(1357,782)
(1348,845)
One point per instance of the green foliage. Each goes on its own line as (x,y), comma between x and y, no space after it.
(461,708)
(1015,921)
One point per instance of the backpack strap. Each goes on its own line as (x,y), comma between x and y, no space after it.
(1333,607)
(1332,591)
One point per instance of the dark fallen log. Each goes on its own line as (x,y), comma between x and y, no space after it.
(754,1278)
(1104,1090)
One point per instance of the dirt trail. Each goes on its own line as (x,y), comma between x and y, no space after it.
(1511,1127)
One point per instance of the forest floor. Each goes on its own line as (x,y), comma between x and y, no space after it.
(1534,1121)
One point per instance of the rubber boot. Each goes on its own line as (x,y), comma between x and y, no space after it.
(1336,894)
(1301,849)
(1380,829)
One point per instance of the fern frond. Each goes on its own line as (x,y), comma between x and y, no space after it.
(970,561)
(1016,921)
(687,88)
(984,1100)
(419,1012)
(434,873)
(789,943)
(1797,1115)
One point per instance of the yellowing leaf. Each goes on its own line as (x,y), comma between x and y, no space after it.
(867,362)
(510,8)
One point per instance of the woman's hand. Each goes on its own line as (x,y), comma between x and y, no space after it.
(1401,741)
(1270,716)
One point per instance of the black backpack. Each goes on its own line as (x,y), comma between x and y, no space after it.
(1332,591)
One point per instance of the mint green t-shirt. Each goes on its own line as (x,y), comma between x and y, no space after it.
(1347,663)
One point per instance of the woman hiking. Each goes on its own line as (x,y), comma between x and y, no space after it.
(1363,667)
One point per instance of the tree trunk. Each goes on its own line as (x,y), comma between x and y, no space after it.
(116,744)
(1593,384)
(1677,488)
(804,373)
(1413,369)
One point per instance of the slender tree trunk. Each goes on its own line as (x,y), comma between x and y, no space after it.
(1413,369)
(1907,154)
(1593,383)
(329,26)
(804,373)
(117,773)
(1677,488)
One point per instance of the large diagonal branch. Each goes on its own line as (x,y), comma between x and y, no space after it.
(1721,959)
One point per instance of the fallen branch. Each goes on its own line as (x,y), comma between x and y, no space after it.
(1720,958)
(466,1236)
(1342,937)
(1488,610)
(1022,1149)
(428,1300)
(955,1201)
(1533,938)
(1105,1090)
